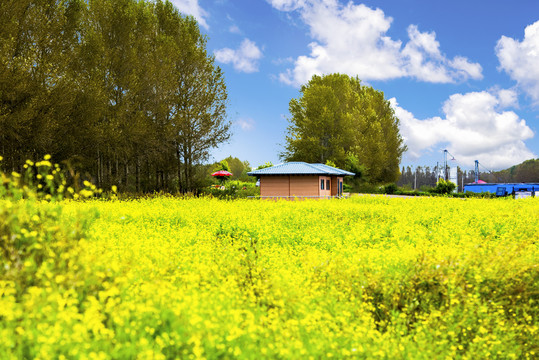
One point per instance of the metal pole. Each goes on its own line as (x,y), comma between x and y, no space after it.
(445,165)
(476,171)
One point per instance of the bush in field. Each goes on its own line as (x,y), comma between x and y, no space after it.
(38,241)
(444,187)
(39,245)
(390,189)
(43,180)
(233,189)
(40,257)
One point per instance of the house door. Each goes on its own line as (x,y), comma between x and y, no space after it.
(339,190)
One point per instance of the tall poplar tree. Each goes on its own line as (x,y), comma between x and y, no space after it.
(337,119)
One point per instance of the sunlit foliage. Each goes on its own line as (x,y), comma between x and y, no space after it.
(124,91)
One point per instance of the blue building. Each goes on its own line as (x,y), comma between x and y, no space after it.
(503,189)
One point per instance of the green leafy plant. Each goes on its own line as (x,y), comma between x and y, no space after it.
(444,187)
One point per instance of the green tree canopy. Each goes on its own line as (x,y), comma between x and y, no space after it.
(124,90)
(238,168)
(337,119)
(267,164)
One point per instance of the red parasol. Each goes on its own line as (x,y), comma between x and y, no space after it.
(222,173)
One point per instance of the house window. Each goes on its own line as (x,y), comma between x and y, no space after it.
(327,185)
(322,184)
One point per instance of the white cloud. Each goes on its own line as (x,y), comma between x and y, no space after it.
(244,59)
(464,69)
(352,39)
(507,98)
(520,58)
(234,29)
(424,60)
(287,5)
(191,7)
(474,127)
(246,124)
(281,61)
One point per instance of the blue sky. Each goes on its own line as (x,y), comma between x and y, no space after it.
(461,75)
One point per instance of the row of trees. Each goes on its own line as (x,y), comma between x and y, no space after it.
(124,90)
(423,177)
(338,120)
(426,177)
(528,171)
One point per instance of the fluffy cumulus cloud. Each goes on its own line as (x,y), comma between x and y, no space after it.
(423,60)
(520,60)
(192,7)
(350,38)
(475,126)
(244,59)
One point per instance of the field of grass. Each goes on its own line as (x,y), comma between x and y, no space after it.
(368,277)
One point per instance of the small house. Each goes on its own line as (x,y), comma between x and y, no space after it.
(300,179)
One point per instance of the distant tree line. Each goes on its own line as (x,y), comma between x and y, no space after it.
(528,171)
(123,90)
(423,177)
(426,177)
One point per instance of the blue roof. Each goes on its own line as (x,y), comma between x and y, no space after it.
(300,168)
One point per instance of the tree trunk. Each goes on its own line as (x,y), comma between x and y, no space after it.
(179,169)
(117,172)
(163,184)
(137,175)
(148,177)
(98,169)
(126,173)
(186,173)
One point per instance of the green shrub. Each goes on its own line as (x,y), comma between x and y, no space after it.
(42,262)
(43,180)
(233,189)
(390,189)
(367,188)
(444,187)
(38,242)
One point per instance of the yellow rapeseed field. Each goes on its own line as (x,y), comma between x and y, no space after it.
(366,277)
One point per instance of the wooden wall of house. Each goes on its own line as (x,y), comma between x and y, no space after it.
(275,185)
(298,185)
(289,185)
(303,185)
